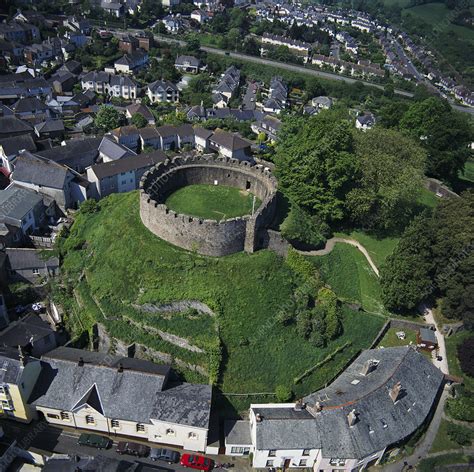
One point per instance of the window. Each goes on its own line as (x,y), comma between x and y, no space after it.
(306,452)
(303,462)
(3,390)
(64,416)
(271,453)
(7,405)
(269,464)
(35,271)
(170,432)
(339,462)
(140,428)
(53,416)
(239,450)
(192,435)
(90,419)
(115,424)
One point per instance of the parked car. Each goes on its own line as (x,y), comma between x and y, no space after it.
(94,440)
(165,455)
(194,461)
(132,449)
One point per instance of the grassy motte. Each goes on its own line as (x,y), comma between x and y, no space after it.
(212,202)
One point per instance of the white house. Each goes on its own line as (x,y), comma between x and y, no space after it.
(123,396)
(162,91)
(365,121)
(379,401)
(109,84)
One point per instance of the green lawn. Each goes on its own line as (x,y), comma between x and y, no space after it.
(213,202)
(391,339)
(378,249)
(348,273)
(125,265)
(468,174)
(427,198)
(442,441)
(443,462)
(452,343)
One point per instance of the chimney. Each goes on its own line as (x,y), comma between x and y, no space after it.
(81,362)
(352,418)
(369,366)
(258,418)
(395,392)
(22,356)
(299,405)
(120,367)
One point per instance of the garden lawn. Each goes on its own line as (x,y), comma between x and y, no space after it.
(452,343)
(446,460)
(442,441)
(378,248)
(125,265)
(468,174)
(391,339)
(348,273)
(213,202)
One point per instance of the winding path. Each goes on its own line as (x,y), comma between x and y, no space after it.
(330,243)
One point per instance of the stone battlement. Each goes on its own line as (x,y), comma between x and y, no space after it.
(208,237)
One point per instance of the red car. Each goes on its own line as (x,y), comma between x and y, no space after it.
(196,462)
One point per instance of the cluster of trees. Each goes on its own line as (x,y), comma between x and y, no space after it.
(435,258)
(334,174)
(108,118)
(315,309)
(462,407)
(98,52)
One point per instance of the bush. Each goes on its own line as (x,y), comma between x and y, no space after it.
(466,356)
(283,393)
(461,408)
(89,206)
(459,434)
(301,266)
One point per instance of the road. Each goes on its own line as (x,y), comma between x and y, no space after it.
(430,319)
(46,439)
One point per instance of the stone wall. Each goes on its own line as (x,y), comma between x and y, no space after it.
(208,237)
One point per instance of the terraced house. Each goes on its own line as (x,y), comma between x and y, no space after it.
(121,395)
(379,401)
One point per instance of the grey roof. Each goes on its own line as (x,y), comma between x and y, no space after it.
(380,422)
(237,433)
(50,126)
(187,60)
(162,86)
(14,144)
(149,132)
(39,171)
(202,133)
(24,332)
(11,367)
(12,124)
(428,335)
(127,164)
(100,463)
(138,393)
(114,150)
(229,140)
(15,203)
(29,104)
(75,151)
(22,258)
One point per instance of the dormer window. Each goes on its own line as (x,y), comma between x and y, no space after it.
(170,432)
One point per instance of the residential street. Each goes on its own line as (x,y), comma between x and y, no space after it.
(50,440)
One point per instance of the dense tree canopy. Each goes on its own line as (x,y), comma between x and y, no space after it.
(108,118)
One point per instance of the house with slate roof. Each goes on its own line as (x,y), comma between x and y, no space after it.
(122,395)
(379,401)
(162,91)
(18,376)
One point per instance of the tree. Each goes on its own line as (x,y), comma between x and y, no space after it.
(108,118)
(465,353)
(283,393)
(315,165)
(406,276)
(329,308)
(391,167)
(139,120)
(459,434)
(445,133)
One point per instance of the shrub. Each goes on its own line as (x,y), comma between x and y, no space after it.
(89,206)
(461,408)
(283,393)
(459,434)
(466,356)
(301,266)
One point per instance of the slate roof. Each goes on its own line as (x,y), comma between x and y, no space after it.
(237,432)
(114,150)
(29,104)
(37,170)
(380,422)
(25,331)
(161,86)
(100,463)
(187,61)
(229,140)
(22,259)
(149,132)
(11,368)
(12,124)
(15,203)
(50,126)
(139,393)
(75,152)
(127,164)
(14,144)
(202,133)
(428,335)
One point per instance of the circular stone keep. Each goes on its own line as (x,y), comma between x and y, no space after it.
(207,236)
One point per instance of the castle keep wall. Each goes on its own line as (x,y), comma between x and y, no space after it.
(206,237)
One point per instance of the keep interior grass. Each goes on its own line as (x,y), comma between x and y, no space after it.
(391,339)
(126,264)
(213,202)
(442,441)
(348,273)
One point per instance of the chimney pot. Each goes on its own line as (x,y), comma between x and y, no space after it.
(352,418)
(395,392)
(258,417)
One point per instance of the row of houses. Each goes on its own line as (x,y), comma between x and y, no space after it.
(369,70)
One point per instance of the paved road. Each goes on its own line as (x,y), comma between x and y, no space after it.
(46,439)
(330,243)
(430,319)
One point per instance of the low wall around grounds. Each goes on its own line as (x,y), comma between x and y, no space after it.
(208,237)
